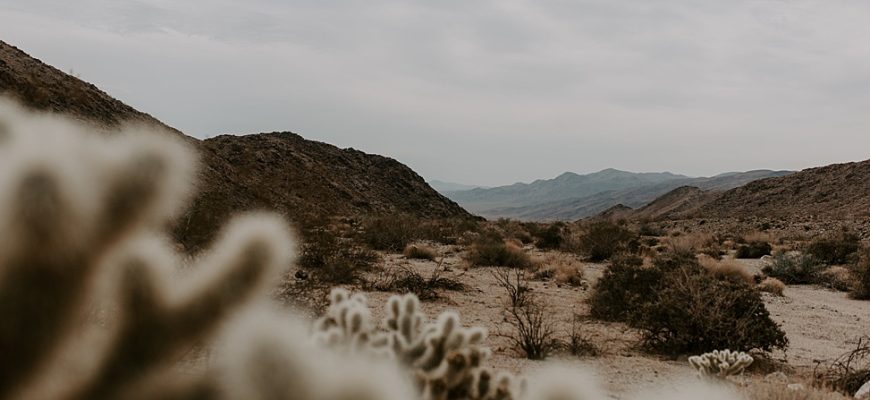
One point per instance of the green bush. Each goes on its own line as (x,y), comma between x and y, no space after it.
(794,269)
(837,250)
(604,239)
(755,249)
(681,308)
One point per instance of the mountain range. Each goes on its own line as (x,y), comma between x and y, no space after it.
(571,196)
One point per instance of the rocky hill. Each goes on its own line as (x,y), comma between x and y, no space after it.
(838,191)
(303,179)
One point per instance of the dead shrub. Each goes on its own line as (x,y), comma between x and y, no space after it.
(515,283)
(838,278)
(420,252)
(489,251)
(772,285)
(727,267)
(563,269)
(579,343)
(849,371)
(406,280)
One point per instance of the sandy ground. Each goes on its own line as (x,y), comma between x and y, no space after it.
(821,324)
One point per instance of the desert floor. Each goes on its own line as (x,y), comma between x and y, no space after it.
(821,324)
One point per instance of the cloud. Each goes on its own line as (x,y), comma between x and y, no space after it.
(487,92)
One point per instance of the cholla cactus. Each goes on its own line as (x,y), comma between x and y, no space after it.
(444,357)
(721,364)
(80,212)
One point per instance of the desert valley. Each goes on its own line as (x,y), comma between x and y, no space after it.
(141,262)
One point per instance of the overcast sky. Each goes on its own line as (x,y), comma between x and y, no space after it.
(487,92)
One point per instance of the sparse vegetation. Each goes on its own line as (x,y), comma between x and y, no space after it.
(605,239)
(754,249)
(835,250)
(862,277)
(420,252)
(405,280)
(794,268)
(333,259)
(495,252)
(680,307)
(773,286)
(849,371)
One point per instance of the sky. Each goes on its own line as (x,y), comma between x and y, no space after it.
(487,92)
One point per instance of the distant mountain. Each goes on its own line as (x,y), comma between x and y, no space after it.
(833,191)
(571,196)
(303,179)
(444,187)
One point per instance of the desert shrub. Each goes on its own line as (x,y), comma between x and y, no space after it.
(694,243)
(649,230)
(563,269)
(698,312)
(579,343)
(794,268)
(390,232)
(406,280)
(837,277)
(772,285)
(727,267)
(754,249)
(604,239)
(680,307)
(550,238)
(849,371)
(835,250)
(490,251)
(861,271)
(420,252)
(333,259)
(625,285)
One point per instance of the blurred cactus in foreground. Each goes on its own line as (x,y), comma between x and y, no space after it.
(721,364)
(96,304)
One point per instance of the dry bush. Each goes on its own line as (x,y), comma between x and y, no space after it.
(849,371)
(862,277)
(490,251)
(390,233)
(420,252)
(604,239)
(794,268)
(515,283)
(757,236)
(772,285)
(406,280)
(755,249)
(563,268)
(835,250)
(680,307)
(550,238)
(694,243)
(727,267)
(579,343)
(335,260)
(838,278)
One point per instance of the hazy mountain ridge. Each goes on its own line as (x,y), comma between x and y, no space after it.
(445,187)
(302,179)
(593,193)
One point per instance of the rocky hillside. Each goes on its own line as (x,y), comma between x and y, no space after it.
(838,191)
(304,179)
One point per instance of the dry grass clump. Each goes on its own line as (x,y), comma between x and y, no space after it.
(562,268)
(420,252)
(772,285)
(726,267)
(758,236)
(693,243)
(838,278)
(495,252)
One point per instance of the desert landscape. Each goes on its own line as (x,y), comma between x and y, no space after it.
(140,261)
